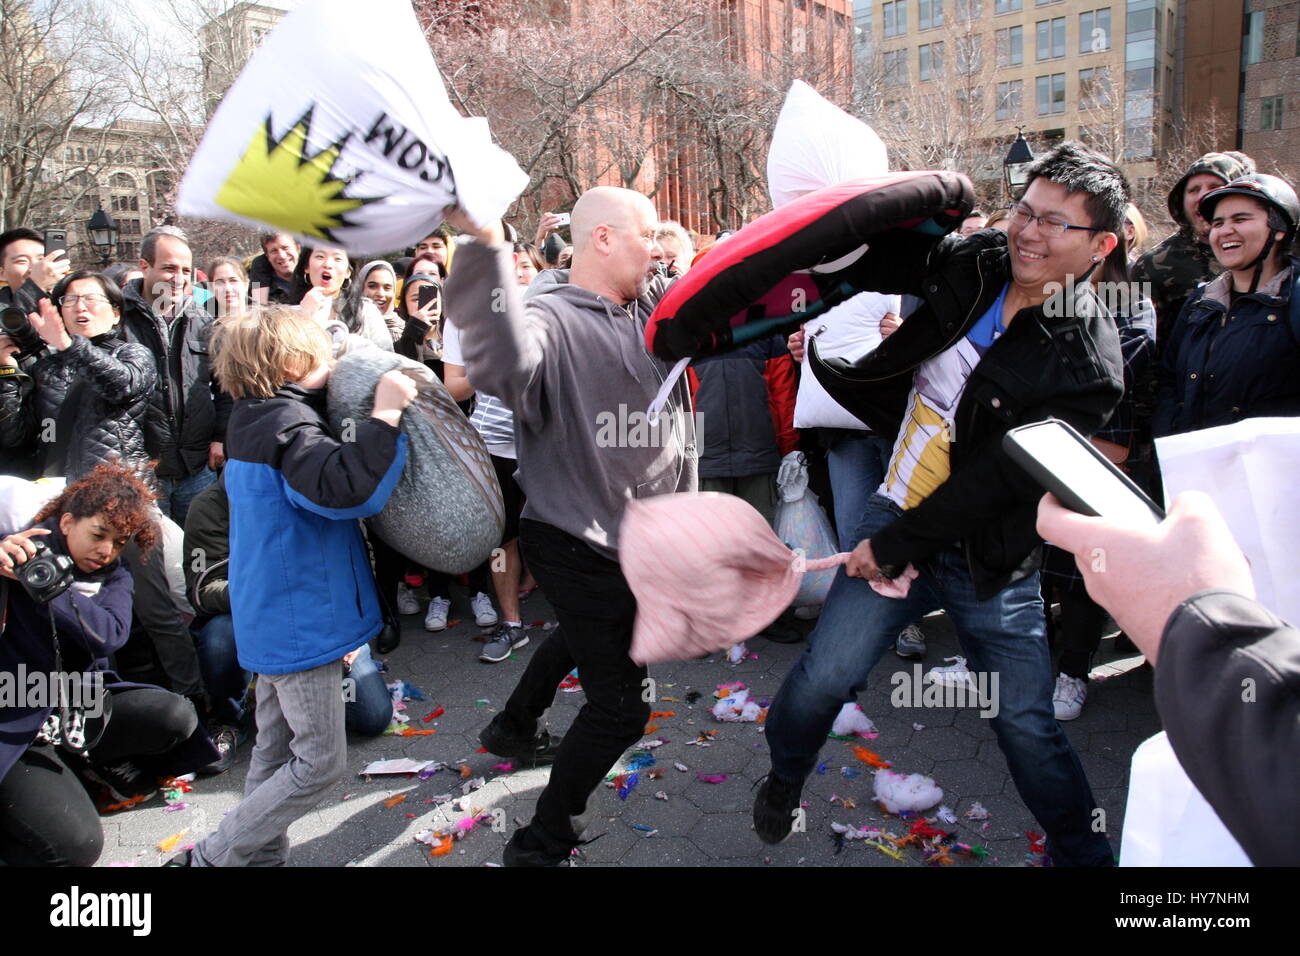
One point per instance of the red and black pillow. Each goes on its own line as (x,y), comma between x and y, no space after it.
(755,283)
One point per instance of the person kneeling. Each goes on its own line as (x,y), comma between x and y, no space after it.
(66,607)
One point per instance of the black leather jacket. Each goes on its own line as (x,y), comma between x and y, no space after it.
(87,405)
(187,411)
(1045,365)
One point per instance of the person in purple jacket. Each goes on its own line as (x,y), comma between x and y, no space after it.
(62,643)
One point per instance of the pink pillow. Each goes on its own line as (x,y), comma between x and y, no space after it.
(707,571)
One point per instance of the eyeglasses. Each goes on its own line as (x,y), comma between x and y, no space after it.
(91,300)
(1022,216)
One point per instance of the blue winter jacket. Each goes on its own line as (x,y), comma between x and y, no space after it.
(301,590)
(1227,360)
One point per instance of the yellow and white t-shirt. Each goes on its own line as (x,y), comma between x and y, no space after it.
(919,463)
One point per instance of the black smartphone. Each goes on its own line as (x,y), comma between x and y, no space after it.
(426,294)
(55,239)
(1081,477)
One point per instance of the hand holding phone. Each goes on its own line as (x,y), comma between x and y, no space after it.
(1082,479)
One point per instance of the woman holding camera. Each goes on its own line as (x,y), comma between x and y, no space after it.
(91,388)
(65,607)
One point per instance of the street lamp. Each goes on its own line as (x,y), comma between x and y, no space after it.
(103,233)
(1016,165)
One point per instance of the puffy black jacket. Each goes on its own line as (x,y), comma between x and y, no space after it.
(1228,360)
(187,411)
(95,394)
(1045,365)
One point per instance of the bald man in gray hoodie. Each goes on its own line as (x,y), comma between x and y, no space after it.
(572,365)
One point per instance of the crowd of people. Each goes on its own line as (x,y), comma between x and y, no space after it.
(172,405)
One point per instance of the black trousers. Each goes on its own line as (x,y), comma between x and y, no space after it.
(46,816)
(1077,635)
(596,610)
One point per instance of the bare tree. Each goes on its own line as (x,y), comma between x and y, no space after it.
(173,81)
(54,82)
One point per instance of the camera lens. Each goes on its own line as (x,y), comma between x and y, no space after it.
(39,574)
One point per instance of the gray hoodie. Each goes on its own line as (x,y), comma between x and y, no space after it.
(574,369)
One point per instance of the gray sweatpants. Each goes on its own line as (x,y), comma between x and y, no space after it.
(301,752)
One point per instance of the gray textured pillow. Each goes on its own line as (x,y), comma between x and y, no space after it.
(446,512)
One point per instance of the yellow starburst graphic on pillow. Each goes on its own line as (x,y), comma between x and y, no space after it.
(278,183)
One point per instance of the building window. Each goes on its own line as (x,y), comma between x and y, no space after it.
(929,14)
(1010,46)
(1270,111)
(967,10)
(1094,31)
(1051,94)
(1006,6)
(931,60)
(1094,88)
(1051,39)
(1253,48)
(896,68)
(1010,96)
(970,54)
(896,18)
(1044,3)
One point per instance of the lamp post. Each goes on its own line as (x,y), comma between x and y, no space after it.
(103,234)
(1016,165)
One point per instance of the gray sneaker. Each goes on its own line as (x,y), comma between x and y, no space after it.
(910,644)
(504,640)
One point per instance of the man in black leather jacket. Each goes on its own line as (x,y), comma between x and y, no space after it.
(1010,333)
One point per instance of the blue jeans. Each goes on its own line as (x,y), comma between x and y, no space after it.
(369,706)
(174,496)
(1003,636)
(857,463)
(226,682)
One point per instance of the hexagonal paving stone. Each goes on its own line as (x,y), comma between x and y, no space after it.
(945,743)
(969,777)
(664,851)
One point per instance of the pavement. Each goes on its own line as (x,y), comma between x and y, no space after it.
(700,823)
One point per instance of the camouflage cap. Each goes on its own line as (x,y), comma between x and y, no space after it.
(1226,167)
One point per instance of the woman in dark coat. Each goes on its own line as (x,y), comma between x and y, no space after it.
(91,388)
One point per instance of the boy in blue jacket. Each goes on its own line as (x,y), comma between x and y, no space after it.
(301,591)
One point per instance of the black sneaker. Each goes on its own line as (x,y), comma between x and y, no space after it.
(774,808)
(523,850)
(124,781)
(533,751)
(226,740)
(782,631)
(180,859)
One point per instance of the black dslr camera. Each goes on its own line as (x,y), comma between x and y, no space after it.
(15,324)
(45,575)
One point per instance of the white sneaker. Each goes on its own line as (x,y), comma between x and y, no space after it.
(808,612)
(954,675)
(484,614)
(1068,699)
(407,602)
(436,618)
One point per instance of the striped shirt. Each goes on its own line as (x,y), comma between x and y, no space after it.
(495,422)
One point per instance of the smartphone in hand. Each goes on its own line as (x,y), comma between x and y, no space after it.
(1082,478)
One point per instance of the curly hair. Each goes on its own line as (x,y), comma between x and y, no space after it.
(116,492)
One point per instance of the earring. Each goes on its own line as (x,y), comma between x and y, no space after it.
(1096,258)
